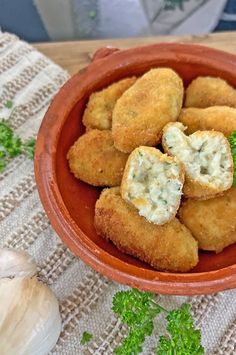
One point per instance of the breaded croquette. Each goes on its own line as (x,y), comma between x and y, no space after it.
(212,222)
(98,113)
(153,182)
(94,159)
(206,91)
(145,108)
(206,157)
(218,118)
(170,247)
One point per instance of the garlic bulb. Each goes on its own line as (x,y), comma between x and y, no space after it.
(30,321)
(16,263)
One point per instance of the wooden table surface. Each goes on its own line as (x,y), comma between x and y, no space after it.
(75,55)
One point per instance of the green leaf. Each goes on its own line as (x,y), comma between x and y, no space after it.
(137,310)
(232,142)
(12,146)
(2,165)
(134,306)
(132,344)
(29,148)
(8,104)
(5,133)
(2,153)
(11,143)
(184,339)
(165,346)
(86,337)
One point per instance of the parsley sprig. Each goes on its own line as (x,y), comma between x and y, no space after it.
(28,148)
(232,142)
(183,338)
(11,145)
(138,310)
(86,337)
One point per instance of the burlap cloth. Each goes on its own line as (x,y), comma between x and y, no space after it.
(31,80)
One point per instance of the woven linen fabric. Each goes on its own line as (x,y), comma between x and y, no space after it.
(31,80)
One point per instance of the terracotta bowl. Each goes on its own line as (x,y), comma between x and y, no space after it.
(69,203)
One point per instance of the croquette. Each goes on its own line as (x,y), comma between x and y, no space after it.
(207,159)
(153,182)
(206,91)
(94,159)
(212,222)
(98,113)
(145,108)
(218,118)
(170,247)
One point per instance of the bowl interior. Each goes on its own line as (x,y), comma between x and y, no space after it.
(79,198)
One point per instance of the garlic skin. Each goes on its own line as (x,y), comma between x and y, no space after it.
(30,321)
(16,263)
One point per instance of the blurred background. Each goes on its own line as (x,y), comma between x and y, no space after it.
(56,20)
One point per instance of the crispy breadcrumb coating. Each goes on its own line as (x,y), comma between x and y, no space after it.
(94,159)
(212,222)
(170,247)
(98,113)
(210,91)
(218,118)
(145,108)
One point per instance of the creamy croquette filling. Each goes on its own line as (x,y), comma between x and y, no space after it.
(154,186)
(206,156)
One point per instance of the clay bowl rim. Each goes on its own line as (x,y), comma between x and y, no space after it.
(46,180)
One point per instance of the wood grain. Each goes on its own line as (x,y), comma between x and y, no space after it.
(75,55)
